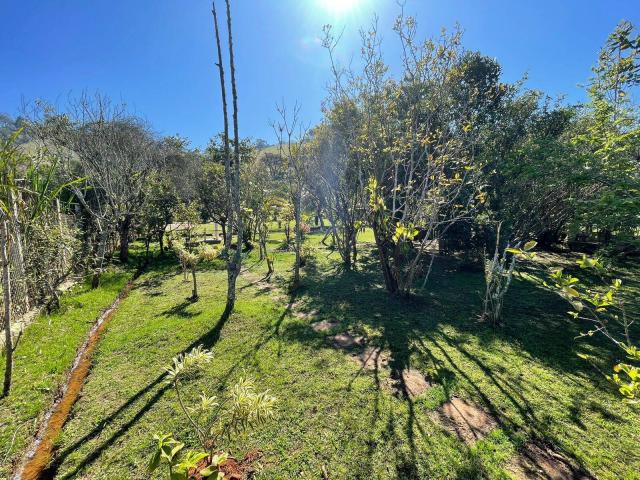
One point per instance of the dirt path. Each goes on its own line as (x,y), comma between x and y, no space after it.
(40,453)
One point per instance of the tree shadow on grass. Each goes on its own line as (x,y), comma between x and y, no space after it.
(208,341)
(412,327)
(181,310)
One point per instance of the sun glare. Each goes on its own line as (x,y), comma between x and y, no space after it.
(338,7)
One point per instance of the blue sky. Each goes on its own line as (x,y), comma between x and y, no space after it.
(158,55)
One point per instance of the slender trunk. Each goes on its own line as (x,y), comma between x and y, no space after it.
(63,248)
(298,232)
(103,239)
(232,172)
(347,247)
(6,290)
(237,258)
(124,238)
(270,269)
(390,281)
(228,233)
(223,225)
(194,293)
(287,234)
(355,249)
(161,242)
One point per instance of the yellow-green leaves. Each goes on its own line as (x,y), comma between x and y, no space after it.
(404,233)
(627,378)
(187,365)
(586,262)
(525,251)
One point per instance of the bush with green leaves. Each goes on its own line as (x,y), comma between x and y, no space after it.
(603,308)
(190,259)
(214,420)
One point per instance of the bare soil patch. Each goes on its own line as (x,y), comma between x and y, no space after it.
(346,340)
(308,314)
(411,382)
(232,468)
(372,358)
(540,462)
(466,420)
(325,325)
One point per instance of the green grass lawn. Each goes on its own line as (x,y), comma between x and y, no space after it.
(44,353)
(330,413)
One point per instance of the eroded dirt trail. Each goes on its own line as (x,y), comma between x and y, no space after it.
(40,453)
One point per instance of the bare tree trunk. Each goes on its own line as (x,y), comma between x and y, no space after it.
(223,225)
(194,293)
(390,281)
(125,226)
(63,249)
(236,262)
(232,175)
(298,232)
(6,290)
(98,263)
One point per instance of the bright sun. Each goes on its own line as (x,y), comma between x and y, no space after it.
(338,7)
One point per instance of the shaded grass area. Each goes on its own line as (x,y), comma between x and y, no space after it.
(332,414)
(43,356)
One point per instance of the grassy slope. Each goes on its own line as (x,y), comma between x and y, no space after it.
(44,354)
(332,414)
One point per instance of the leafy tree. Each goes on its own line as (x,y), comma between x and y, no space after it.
(419,146)
(609,138)
(157,212)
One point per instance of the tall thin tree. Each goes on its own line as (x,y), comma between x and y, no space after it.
(232,170)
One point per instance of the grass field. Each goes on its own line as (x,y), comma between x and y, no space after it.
(332,415)
(44,353)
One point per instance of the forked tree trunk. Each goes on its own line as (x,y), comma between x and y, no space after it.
(234,269)
(6,290)
(232,171)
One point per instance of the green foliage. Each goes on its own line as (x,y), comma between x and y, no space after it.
(167,450)
(604,308)
(609,136)
(212,420)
